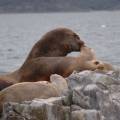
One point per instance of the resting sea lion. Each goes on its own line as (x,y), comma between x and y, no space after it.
(27,91)
(41,68)
(57,42)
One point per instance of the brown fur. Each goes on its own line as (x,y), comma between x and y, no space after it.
(58,42)
(41,68)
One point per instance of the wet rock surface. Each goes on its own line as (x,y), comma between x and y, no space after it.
(91,96)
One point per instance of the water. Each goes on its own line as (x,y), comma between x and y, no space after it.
(19,32)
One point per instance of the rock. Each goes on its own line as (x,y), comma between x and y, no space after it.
(80,99)
(88,77)
(75,107)
(78,79)
(109,105)
(43,109)
(91,91)
(86,115)
(101,93)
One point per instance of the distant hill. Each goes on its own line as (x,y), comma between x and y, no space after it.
(57,5)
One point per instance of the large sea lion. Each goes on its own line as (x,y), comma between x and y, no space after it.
(57,42)
(41,68)
(27,91)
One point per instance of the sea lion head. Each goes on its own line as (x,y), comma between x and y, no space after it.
(100,66)
(57,42)
(105,67)
(60,83)
(71,40)
(92,64)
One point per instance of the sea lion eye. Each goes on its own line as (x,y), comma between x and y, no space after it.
(96,62)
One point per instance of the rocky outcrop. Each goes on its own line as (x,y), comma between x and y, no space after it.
(39,109)
(91,96)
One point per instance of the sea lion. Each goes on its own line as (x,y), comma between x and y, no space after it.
(27,91)
(57,42)
(41,68)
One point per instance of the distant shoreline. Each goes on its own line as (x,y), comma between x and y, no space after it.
(84,11)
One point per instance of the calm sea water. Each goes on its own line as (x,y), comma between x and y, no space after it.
(19,32)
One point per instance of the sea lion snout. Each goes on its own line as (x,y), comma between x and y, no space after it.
(81,43)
